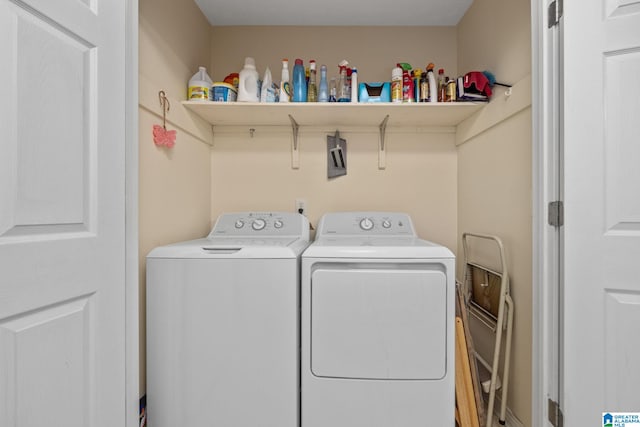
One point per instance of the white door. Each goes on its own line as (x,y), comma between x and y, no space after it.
(601,300)
(62,217)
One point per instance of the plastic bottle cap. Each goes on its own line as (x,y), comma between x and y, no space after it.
(441,71)
(249,62)
(312,64)
(298,61)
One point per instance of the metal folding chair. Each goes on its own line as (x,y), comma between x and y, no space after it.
(489,301)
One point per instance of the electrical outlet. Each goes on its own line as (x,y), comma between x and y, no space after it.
(301,206)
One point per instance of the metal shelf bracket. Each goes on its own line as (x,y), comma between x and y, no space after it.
(295,158)
(382,160)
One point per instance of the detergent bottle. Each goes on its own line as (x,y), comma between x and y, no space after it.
(299,82)
(248,90)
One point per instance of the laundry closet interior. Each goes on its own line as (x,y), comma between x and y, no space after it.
(450,175)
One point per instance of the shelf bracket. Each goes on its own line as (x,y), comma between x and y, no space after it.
(382,160)
(295,158)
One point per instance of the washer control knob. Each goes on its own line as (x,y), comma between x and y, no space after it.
(258,224)
(278,223)
(239,223)
(386,223)
(366,224)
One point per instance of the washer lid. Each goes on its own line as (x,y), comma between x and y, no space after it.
(221,248)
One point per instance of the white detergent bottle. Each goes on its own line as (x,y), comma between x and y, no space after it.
(267,93)
(433,87)
(199,86)
(248,82)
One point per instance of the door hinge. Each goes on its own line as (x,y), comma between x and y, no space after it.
(556,213)
(555,414)
(554,13)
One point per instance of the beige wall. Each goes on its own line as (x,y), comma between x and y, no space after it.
(373,50)
(420,178)
(174,183)
(421,167)
(494,170)
(495,35)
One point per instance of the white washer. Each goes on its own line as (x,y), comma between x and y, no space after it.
(377,325)
(222,324)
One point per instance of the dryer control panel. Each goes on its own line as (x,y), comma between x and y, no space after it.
(272,224)
(366,224)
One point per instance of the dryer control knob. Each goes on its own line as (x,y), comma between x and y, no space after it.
(258,224)
(239,223)
(386,223)
(278,223)
(366,224)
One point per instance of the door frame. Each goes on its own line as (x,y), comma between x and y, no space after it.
(132,311)
(546,187)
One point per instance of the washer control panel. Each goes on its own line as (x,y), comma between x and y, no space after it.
(273,224)
(366,223)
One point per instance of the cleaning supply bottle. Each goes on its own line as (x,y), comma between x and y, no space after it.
(312,90)
(451,90)
(333,91)
(433,87)
(442,85)
(323,90)
(299,82)
(416,84)
(267,92)
(354,84)
(396,84)
(248,90)
(199,86)
(342,85)
(285,87)
(424,88)
(407,83)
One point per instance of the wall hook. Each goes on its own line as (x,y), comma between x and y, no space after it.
(162,136)
(166,106)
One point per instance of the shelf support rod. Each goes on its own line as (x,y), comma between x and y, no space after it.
(382,160)
(295,158)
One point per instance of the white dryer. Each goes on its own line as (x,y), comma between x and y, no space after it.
(222,324)
(377,325)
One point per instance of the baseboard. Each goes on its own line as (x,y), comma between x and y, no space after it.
(511,419)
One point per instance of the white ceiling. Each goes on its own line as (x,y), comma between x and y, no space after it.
(334,12)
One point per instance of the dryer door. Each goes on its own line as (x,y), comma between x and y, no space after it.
(385,322)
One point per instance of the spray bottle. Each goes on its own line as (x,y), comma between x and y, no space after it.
(323,90)
(285,87)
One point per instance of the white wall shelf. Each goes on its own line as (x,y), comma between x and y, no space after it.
(333,114)
(380,115)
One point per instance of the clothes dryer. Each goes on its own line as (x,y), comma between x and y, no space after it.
(222,324)
(377,325)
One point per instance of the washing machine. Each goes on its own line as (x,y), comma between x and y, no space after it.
(377,325)
(222,324)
